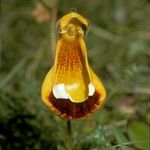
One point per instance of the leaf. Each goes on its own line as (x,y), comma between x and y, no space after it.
(121,139)
(139,132)
(95,139)
(59,147)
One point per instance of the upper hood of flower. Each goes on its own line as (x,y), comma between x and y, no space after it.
(73,24)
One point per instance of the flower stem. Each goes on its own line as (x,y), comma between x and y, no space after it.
(69,136)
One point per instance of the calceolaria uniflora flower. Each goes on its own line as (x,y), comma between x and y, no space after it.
(71,89)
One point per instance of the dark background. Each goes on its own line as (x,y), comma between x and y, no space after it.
(119,51)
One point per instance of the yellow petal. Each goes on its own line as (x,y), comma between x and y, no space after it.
(98,86)
(47,85)
(70,69)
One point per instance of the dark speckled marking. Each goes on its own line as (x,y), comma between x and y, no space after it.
(75,110)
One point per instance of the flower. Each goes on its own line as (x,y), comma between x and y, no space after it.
(71,89)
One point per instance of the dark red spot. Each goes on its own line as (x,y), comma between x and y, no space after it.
(75,110)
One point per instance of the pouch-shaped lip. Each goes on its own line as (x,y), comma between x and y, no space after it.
(68,110)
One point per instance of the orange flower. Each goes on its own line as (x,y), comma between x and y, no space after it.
(71,89)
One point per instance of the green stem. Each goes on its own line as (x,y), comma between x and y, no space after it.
(69,136)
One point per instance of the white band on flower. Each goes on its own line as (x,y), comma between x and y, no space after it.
(60,92)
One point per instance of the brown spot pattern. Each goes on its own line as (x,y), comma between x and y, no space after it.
(69,110)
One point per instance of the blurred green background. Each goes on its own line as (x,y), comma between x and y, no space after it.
(118,50)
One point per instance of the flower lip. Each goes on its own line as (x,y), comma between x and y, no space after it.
(69,110)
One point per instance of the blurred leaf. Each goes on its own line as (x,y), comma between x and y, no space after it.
(121,139)
(48,2)
(59,147)
(139,133)
(95,139)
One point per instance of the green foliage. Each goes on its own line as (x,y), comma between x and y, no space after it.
(118,50)
(121,139)
(95,139)
(139,132)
